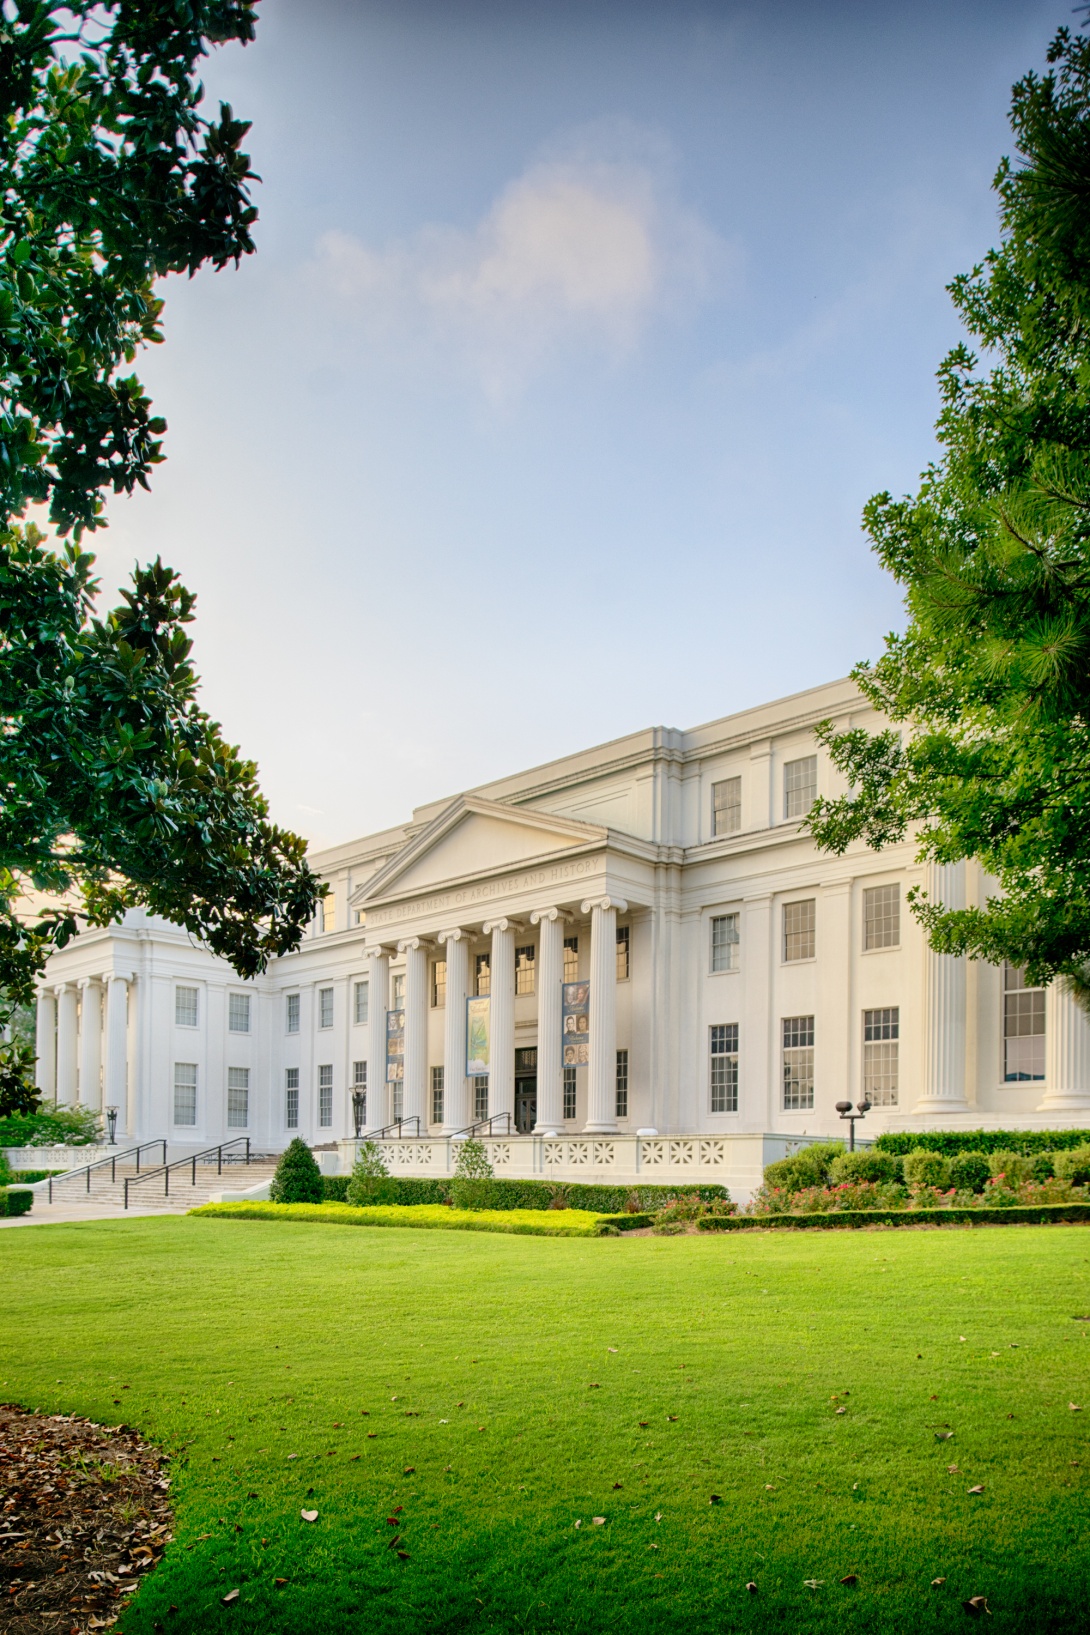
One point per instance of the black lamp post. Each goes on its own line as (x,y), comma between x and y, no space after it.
(111,1121)
(844,1108)
(359,1104)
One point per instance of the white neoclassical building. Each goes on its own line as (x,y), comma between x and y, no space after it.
(632,960)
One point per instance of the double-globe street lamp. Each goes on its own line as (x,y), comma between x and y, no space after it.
(844,1108)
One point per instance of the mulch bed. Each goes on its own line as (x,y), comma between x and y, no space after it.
(85,1512)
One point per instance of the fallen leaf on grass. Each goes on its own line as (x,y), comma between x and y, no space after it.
(392,1521)
(371,1434)
(643,1424)
(394,1542)
(579,1523)
(652,1546)
(979,1489)
(842,1410)
(309,1515)
(352,1458)
(612,1348)
(658,1515)
(251,1495)
(594,1386)
(716,1498)
(403,1555)
(293,1456)
(410,1470)
(229,1599)
(1075,1408)
(616,1485)
(953,1470)
(813,1583)
(852,1578)
(944,1436)
(671,1416)
(977,1604)
(751,1587)
(599,1521)
(769,1488)
(936,1582)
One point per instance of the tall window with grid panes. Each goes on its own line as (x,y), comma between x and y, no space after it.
(480,1097)
(798,1063)
(571,961)
(438,984)
(724,942)
(238,1098)
(881,1047)
(624,948)
(799,930)
(727,806)
(799,786)
(1023,1028)
(359,1087)
(185,1094)
(622,1084)
(325,1095)
(291,1098)
(524,969)
(569,1092)
(238,1013)
(881,917)
(291,1013)
(325,1007)
(483,973)
(723,1067)
(437,1080)
(360,1002)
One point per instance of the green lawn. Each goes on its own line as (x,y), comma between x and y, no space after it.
(485,1363)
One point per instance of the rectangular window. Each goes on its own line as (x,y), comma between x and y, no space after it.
(359,1075)
(399,992)
(437,1095)
(291,1013)
(799,920)
(238,1098)
(484,974)
(798,1063)
(438,984)
(325,1095)
(723,1077)
(569,1092)
(624,943)
(397,1099)
(571,960)
(524,969)
(727,806)
(291,1098)
(325,1007)
(882,917)
(724,942)
(238,1013)
(328,912)
(480,1097)
(799,786)
(1023,1028)
(881,1045)
(185,1093)
(185,1007)
(360,994)
(622,1084)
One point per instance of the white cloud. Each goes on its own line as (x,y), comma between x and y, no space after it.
(573,253)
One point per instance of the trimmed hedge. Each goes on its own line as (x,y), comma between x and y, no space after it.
(547,1223)
(334,1188)
(949,1142)
(1037,1214)
(15,1201)
(500,1193)
(26,1176)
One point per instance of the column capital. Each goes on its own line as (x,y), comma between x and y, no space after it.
(410,944)
(604,903)
(86,982)
(504,924)
(551,914)
(380,950)
(456,934)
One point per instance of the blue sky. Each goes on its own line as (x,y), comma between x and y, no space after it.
(577,337)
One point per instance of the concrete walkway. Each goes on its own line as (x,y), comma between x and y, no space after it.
(46,1214)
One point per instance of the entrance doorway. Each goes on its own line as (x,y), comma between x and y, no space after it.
(525,1091)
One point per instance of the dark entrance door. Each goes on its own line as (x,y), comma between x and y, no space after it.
(525,1091)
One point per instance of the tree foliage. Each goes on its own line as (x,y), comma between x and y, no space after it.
(116,789)
(298,1180)
(991,678)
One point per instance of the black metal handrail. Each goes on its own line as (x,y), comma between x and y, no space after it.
(180,1163)
(113,1161)
(483,1124)
(378,1135)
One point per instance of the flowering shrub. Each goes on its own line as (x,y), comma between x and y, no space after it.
(933,1197)
(679,1212)
(1051,1191)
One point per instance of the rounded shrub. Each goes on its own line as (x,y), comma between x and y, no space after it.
(298,1180)
(809,1167)
(1073,1166)
(865,1165)
(469,1187)
(1015,1167)
(926,1169)
(969,1171)
(368,1172)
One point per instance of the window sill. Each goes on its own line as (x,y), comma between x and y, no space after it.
(730,970)
(890,948)
(810,959)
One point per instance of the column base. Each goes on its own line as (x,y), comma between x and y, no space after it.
(601,1129)
(941,1104)
(1065,1101)
(554,1128)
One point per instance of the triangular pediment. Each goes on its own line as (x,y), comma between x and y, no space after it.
(471,838)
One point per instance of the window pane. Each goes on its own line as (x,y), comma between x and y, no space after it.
(1023,1028)
(799,786)
(238,1013)
(399,992)
(325,1007)
(882,916)
(292,1025)
(623,944)
(185,1007)
(238,1098)
(360,998)
(484,974)
(727,806)
(328,912)
(397,1099)
(359,1075)
(724,942)
(291,1098)
(524,970)
(325,1095)
(723,1076)
(480,1097)
(881,1053)
(438,983)
(798,1063)
(569,1092)
(798,929)
(437,1095)
(622,1084)
(571,961)
(185,1093)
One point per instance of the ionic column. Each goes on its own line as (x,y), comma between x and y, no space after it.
(415,1100)
(90,1044)
(455,1083)
(1067,1052)
(66,1043)
(550,1070)
(944,1006)
(378,1000)
(602,1073)
(115,1078)
(45,1045)
(501,1060)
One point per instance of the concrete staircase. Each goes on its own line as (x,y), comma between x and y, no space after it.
(149,1194)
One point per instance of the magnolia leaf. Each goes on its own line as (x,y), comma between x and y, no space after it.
(394,1542)
(852,1578)
(410,1470)
(944,1436)
(1075,1407)
(978,1489)
(594,1386)
(842,1410)
(229,1599)
(403,1555)
(769,1488)
(280,1582)
(599,1521)
(937,1582)
(977,1604)
(643,1424)
(961,1339)
(579,1523)
(671,1416)
(309,1515)
(751,1587)
(392,1521)
(371,1435)
(658,1515)
(616,1485)
(612,1348)
(813,1583)
(953,1470)
(716,1498)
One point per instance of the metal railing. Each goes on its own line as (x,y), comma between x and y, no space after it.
(196,1158)
(113,1161)
(398,1125)
(484,1124)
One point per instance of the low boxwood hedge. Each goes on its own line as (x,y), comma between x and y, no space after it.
(334,1188)
(15,1200)
(949,1142)
(549,1223)
(501,1193)
(1037,1214)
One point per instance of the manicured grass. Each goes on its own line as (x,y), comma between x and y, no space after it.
(502,1414)
(547,1223)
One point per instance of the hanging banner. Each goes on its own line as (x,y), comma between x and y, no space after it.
(395,1046)
(576,1023)
(478,1036)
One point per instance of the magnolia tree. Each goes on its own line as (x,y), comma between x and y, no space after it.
(117,789)
(991,678)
